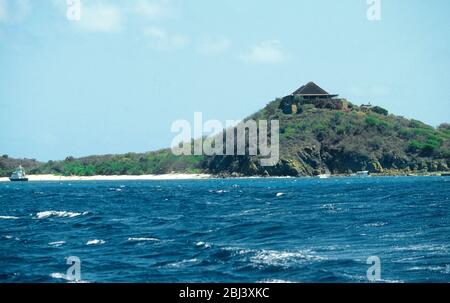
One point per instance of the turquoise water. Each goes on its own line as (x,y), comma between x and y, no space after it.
(231,230)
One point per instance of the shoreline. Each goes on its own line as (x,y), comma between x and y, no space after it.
(181,176)
(35,178)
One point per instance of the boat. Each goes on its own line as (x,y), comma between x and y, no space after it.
(363,173)
(18,175)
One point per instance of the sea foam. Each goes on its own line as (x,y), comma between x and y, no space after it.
(60,214)
(57,243)
(142,239)
(8,218)
(95,242)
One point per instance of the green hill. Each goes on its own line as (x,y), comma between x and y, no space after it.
(316,136)
(323,138)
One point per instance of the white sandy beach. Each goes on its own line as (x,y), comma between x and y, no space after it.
(114,178)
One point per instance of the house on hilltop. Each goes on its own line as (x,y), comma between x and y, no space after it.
(310,93)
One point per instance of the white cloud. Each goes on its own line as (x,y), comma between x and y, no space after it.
(155,9)
(266,52)
(14,11)
(160,39)
(100,18)
(213,46)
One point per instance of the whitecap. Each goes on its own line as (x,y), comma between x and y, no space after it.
(57,243)
(95,242)
(142,239)
(275,281)
(238,251)
(390,281)
(329,206)
(60,214)
(221,191)
(280,194)
(58,275)
(8,218)
(261,258)
(203,244)
(9,237)
(283,258)
(183,263)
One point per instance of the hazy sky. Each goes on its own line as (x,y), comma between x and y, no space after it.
(115,81)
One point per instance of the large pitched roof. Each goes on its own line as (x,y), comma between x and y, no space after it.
(311,89)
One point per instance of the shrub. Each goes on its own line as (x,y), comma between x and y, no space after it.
(379,110)
(424,149)
(444,127)
(372,120)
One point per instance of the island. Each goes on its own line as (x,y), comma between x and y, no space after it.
(319,134)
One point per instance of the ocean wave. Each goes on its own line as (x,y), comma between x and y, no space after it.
(57,243)
(333,247)
(183,263)
(58,275)
(8,218)
(9,237)
(275,281)
(60,214)
(359,279)
(390,281)
(220,191)
(283,258)
(401,235)
(61,276)
(442,269)
(95,242)
(423,247)
(142,239)
(330,207)
(375,224)
(242,213)
(203,244)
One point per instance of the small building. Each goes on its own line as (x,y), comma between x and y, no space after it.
(310,93)
(366,107)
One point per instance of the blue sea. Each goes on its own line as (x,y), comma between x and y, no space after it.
(227,230)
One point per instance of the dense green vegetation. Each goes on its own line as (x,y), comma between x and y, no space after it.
(158,162)
(321,137)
